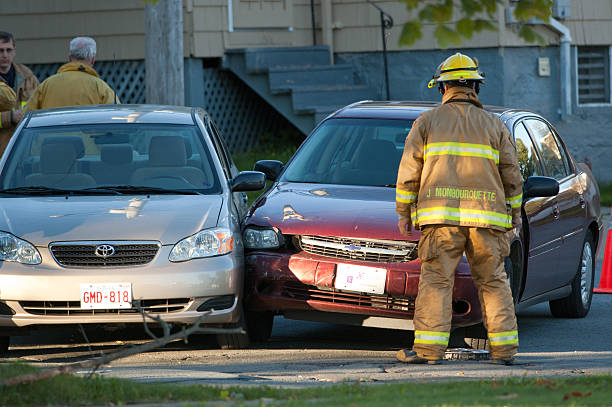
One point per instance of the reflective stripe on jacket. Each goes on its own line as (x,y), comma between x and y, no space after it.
(460,167)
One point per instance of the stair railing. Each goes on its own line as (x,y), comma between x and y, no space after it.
(314,25)
(386,22)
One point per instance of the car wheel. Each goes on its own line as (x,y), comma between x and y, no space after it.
(235,340)
(4,344)
(578,303)
(259,325)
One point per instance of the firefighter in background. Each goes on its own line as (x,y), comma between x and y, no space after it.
(20,79)
(459,183)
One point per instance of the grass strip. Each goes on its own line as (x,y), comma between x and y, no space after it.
(518,391)
(605,194)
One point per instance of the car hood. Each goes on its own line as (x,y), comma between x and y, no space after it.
(329,210)
(163,218)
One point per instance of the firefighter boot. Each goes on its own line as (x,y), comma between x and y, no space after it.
(408,356)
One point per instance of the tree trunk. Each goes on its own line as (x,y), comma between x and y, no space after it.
(164,52)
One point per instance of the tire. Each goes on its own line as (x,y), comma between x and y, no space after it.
(578,303)
(4,344)
(259,325)
(235,341)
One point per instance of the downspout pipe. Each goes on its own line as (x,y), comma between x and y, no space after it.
(565,61)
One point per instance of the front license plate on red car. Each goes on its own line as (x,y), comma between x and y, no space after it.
(363,279)
(106,295)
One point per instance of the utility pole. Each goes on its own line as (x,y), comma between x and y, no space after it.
(164,79)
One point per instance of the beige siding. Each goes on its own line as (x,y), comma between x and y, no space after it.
(43,27)
(591,22)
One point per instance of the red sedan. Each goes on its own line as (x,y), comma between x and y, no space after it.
(322,243)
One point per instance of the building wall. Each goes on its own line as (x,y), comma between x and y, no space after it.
(511,80)
(43,27)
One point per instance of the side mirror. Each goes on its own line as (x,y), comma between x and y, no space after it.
(248,181)
(540,186)
(271,168)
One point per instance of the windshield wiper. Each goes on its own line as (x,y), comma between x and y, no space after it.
(135,189)
(37,190)
(41,190)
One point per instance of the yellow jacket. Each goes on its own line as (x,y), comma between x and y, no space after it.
(7,103)
(7,97)
(460,167)
(74,84)
(25,83)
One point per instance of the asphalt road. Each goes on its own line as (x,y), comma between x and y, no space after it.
(304,353)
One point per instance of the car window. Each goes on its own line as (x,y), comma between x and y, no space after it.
(529,162)
(351,152)
(552,159)
(89,156)
(221,152)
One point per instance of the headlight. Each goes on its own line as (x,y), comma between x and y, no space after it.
(14,249)
(206,243)
(260,238)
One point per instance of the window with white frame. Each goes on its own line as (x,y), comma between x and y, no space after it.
(593,75)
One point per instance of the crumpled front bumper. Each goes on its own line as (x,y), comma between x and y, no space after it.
(284,282)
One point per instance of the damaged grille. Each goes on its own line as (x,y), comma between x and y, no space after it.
(67,308)
(384,302)
(83,254)
(374,250)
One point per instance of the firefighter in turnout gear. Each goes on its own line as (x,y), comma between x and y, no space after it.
(459,183)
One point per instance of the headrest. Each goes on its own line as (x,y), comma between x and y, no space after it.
(167,151)
(57,158)
(116,154)
(76,141)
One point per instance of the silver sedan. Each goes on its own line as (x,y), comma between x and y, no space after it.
(108,209)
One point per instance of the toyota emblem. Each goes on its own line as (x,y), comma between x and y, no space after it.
(105,250)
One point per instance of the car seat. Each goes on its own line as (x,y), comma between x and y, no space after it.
(58,160)
(168,159)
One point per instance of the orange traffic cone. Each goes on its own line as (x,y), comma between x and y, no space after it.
(605,280)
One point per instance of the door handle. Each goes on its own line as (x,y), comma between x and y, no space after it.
(582,202)
(556,212)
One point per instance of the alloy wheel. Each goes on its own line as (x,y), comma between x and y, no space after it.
(586,273)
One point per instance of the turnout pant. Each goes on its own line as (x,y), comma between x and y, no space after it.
(440,250)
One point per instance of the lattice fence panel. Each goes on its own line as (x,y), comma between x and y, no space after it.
(243,117)
(127,78)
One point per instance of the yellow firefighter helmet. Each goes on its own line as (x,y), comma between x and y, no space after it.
(457,67)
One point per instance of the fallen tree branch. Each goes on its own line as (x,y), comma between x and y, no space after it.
(95,363)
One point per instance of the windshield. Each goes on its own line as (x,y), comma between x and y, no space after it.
(351,152)
(133,158)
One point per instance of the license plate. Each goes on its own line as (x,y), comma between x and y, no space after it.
(363,279)
(106,295)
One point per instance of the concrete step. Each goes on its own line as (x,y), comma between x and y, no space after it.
(306,98)
(282,79)
(260,60)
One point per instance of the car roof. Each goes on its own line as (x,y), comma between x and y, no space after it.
(110,114)
(401,109)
